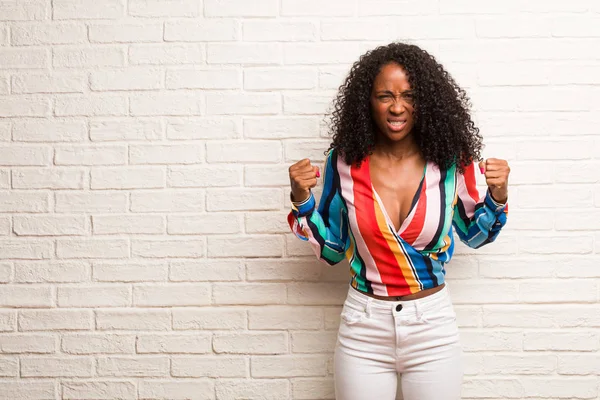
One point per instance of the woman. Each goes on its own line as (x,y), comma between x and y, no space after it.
(399,178)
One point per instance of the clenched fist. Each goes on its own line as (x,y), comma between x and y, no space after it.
(303,177)
(496,176)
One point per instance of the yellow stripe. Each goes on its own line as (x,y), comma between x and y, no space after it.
(400,256)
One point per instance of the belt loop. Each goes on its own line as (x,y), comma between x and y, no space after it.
(368,307)
(418,311)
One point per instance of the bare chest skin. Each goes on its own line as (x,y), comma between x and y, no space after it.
(396,183)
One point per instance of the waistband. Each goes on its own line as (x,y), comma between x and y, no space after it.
(416,306)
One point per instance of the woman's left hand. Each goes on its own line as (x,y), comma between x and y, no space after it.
(496,176)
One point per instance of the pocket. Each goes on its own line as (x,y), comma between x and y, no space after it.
(443,315)
(351,315)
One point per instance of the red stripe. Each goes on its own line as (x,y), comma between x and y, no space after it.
(414,229)
(364,202)
(471,182)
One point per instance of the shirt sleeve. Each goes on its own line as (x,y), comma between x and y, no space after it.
(325,228)
(477,219)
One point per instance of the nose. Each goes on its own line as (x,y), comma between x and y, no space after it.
(397,107)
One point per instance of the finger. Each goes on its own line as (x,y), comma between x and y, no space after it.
(494,174)
(496,182)
(317,172)
(307,183)
(304,163)
(482,166)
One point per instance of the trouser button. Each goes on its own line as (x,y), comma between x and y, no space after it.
(399,307)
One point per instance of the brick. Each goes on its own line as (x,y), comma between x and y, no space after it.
(24,155)
(578,364)
(91,105)
(24,202)
(203,79)
(98,390)
(205,270)
(49,130)
(129,271)
(56,82)
(97,344)
(161,8)
(313,388)
(92,248)
(168,248)
(51,225)
(205,30)
(128,178)
(5,130)
(201,389)
(24,106)
(582,291)
(249,294)
(32,34)
(271,79)
(133,367)
(173,344)
(54,178)
(4,179)
(561,341)
(329,294)
(26,296)
(240,8)
(288,366)
(94,296)
(26,249)
(281,128)
(166,154)
(519,364)
(243,53)
(221,318)
(276,31)
(313,342)
(126,130)
(505,74)
(267,222)
(306,104)
(272,389)
(50,367)
(555,150)
(74,202)
(387,8)
(27,344)
(561,388)
(243,199)
(125,32)
(5,273)
(314,150)
(91,155)
(88,9)
(248,246)
(138,319)
(250,343)
(51,272)
(177,201)
(332,77)
(209,366)
(576,244)
(77,57)
(220,223)
(498,27)
(171,295)
(320,53)
(541,316)
(8,321)
(288,270)
(376,29)
(244,104)
(30,10)
(577,220)
(204,176)
(554,197)
(333,8)
(166,54)
(491,340)
(48,320)
(24,58)
(130,79)
(495,387)
(247,151)
(170,104)
(203,128)
(129,224)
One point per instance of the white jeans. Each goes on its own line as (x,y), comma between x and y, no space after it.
(379,340)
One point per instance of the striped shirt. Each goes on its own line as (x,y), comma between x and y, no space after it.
(351,222)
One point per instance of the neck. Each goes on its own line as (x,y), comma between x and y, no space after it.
(397,150)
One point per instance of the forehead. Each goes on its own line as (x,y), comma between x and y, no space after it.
(392,77)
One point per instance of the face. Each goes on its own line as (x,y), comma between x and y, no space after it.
(392,104)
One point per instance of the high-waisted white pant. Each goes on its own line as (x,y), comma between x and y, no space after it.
(379,340)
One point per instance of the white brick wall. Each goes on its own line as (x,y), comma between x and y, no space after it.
(144,146)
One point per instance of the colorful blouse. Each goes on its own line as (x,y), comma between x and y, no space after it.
(351,222)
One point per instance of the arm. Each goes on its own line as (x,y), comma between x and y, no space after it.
(477,219)
(325,228)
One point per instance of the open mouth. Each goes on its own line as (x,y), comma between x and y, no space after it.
(396,125)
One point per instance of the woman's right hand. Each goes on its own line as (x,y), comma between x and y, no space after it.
(303,177)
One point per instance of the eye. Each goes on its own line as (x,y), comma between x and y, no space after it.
(385,97)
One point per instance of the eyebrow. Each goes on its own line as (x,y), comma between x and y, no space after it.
(390,92)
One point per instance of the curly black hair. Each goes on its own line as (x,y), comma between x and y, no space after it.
(443,130)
